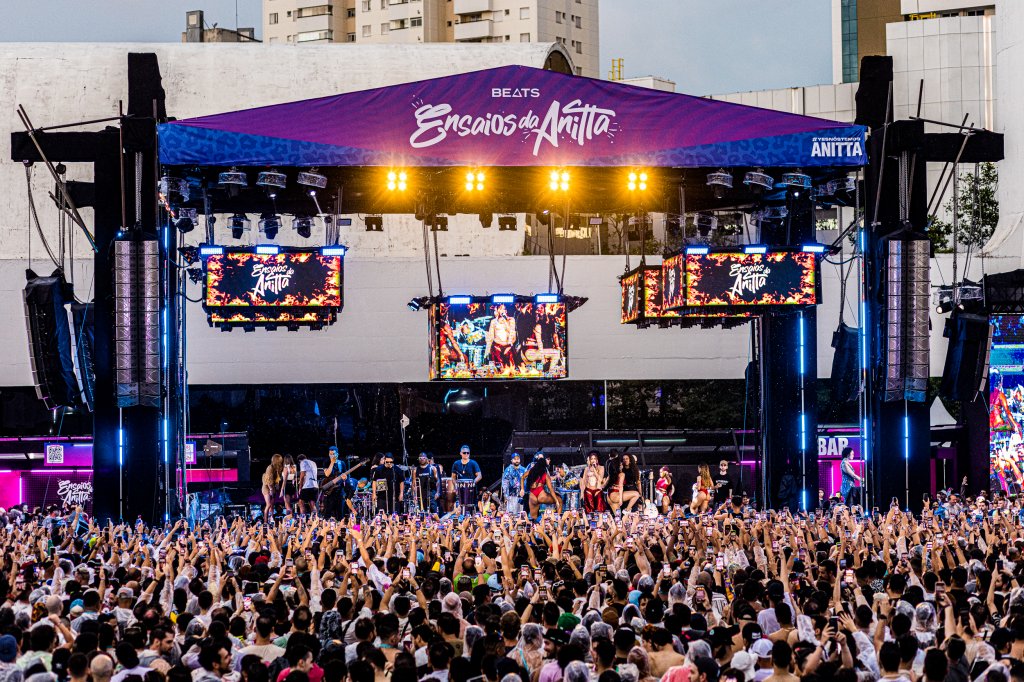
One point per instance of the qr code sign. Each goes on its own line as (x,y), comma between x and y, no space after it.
(54,454)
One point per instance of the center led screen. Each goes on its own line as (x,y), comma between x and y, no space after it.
(303,279)
(487,340)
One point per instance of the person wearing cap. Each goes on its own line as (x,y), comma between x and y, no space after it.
(123,610)
(511,483)
(762,650)
(746,663)
(465,476)
(8,659)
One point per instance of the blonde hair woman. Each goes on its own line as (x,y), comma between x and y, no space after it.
(702,490)
(273,478)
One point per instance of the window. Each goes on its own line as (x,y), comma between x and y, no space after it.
(558,17)
(385,28)
(383,4)
(351,37)
(350,12)
(272,40)
(416,21)
(578,21)
(506,13)
(367,31)
(272,19)
(366,5)
(524,12)
(579,70)
(579,48)
(497,16)
(315,11)
(524,37)
(311,36)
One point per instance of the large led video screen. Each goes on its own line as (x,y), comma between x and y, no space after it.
(1006,404)
(673,281)
(487,340)
(751,279)
(305,279)
(641,297)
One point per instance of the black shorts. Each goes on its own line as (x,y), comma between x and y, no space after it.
(309,494)
(289,489)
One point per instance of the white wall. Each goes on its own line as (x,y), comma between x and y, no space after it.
(377,338)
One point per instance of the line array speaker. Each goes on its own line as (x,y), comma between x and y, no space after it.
(907,319)
(49,338)
(137,323)
(966,368)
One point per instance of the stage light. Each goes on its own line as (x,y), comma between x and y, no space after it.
(506,223)
(503,298)
(374,223)
(239,223)
(758,181)
(796,180)
(186,220)
(813,248)
(439,224)
(195,275)
(272,181)
(303,225)
(486,219)
(750,248)
(269,225)
(475,181)
(174,190)
(189,254)
(312,179)
(720,182)
(205,251)
(697,250)
(232,178)
(460,300)
(268,249)
(418,303)
(333,251)
(397,180)
(705,223)
(637,180)
(546,298)
(558,180)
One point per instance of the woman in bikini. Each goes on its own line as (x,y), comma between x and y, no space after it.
(629,481)
(593,485)
(664,489)
(702,490)
(538,488)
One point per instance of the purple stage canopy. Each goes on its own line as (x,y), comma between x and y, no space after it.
(511,116)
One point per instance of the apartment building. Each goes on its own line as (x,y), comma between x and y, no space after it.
(572,23)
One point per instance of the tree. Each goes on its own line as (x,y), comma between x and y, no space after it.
(977,208)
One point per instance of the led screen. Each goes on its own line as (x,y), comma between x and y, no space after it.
(742,279)
(653,308)
(484,340)
(632,297)
(1006,404)
(304,279)
(270,316)
(673,281)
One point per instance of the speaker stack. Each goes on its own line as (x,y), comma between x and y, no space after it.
(966,369)
(49,337)
(907,314)
(137,323)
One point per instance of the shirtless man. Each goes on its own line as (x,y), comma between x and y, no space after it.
(501,335)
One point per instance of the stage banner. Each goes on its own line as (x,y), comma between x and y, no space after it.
(751,279)
(486,340)
(512,116)
(64,488)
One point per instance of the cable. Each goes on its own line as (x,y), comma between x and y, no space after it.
(426,259)
(35,215)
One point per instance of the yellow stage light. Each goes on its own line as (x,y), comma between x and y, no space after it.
(397,180)
(475,181)
(558,181)
(637,180)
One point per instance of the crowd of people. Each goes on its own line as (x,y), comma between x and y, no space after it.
(731,595)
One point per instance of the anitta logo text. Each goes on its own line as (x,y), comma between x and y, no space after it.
(836,147)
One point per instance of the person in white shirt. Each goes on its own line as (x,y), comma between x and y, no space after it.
(309,489)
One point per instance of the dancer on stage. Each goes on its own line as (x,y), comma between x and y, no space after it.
(273,481)
(512,483)
(593,485)
(538,488)
(629,482)
(664,489)
(702,490)
(291,477)
(611,482)
(309,488)
(851,482)
(388,485)
(465,475)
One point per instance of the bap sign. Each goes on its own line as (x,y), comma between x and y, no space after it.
(832,446)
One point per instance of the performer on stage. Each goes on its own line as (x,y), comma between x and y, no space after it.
(273,483)
(468,473)
(593,483)
(309,488)
(486,505)
(291,477)
(388,485)
(612,484)
(511,484)
(501,336)
(663,490)
(629,479)
(336,491)
(727,483)
(428,484)
(703,490)
(538,488)
(850,488)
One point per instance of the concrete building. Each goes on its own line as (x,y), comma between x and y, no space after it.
(858,30)
(196,31)
(572,23)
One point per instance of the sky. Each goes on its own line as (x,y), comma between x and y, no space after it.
(705,46)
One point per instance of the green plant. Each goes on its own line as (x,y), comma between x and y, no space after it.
(977,208)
